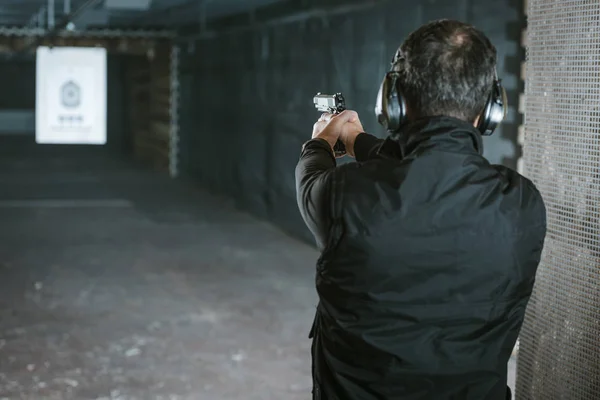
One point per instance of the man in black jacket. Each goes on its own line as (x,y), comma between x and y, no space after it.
(429,252)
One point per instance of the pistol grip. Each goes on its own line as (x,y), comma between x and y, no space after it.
(339,149)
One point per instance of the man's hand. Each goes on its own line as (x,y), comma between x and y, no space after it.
(344,126)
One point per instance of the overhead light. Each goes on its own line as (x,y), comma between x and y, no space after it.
(135,5)
(94,17)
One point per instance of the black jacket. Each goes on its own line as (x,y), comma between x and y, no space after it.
(429,255)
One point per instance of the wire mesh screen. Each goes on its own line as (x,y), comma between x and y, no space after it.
(559,356)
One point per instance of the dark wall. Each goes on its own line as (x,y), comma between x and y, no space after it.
(247,97)
(118,136)
(17,90)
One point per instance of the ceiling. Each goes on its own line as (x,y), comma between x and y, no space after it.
(123,13)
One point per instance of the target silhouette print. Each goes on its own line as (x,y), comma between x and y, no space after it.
(70,94)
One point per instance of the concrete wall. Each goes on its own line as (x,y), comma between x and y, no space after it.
(247,96)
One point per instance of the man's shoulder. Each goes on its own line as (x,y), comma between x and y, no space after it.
(526,191)
(517,178)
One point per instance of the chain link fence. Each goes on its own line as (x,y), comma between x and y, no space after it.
(559,356)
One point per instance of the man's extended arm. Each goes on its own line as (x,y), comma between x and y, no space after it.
(316,171)
(366,147)
(314,185)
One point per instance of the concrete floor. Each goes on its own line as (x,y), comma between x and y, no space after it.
(117,283)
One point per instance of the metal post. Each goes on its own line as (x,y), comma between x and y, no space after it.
(40,18)
(174,113)
(67,7)
(50,14)
(202,15)
(57,28)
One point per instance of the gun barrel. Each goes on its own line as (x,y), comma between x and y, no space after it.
(325,101)
(329,103)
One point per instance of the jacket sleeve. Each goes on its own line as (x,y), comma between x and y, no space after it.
(314,187)
(366,147)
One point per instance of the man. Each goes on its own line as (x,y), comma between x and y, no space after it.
(429,252)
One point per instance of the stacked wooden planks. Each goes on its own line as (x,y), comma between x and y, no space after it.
(150,91)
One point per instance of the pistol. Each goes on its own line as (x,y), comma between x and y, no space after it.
(332,104)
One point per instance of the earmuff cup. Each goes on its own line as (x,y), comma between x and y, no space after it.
(494,111)
(390,107)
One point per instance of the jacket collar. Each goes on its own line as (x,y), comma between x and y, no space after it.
(451,134)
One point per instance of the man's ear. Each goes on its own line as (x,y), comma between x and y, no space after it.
(476,123)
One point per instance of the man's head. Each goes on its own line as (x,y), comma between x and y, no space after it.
(447,68)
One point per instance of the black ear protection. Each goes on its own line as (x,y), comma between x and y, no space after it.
(495,109)
(390,107)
